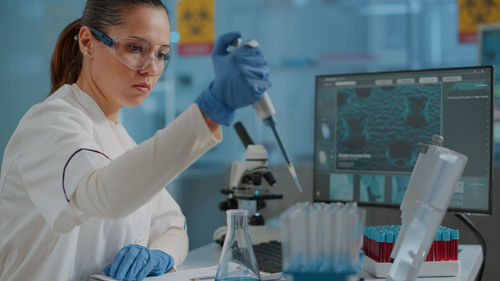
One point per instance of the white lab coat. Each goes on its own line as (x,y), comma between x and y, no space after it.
(75,189)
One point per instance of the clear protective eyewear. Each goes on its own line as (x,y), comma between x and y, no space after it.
(134,52)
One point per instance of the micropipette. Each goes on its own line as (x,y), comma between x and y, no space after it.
(265,111)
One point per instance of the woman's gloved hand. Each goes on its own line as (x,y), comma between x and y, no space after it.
(241,78)
(135,262)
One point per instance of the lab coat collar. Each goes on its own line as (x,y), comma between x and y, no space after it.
(90,105)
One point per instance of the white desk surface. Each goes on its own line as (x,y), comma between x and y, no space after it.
(470,257)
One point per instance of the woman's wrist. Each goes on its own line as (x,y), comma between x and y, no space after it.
(212,125)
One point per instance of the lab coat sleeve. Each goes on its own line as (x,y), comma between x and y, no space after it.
(52,161)
(168,228)
(135,177)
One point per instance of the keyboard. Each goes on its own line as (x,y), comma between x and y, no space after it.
(268,255)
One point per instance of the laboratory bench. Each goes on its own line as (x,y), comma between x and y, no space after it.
(470,257)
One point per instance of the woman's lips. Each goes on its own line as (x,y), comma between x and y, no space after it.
(142,87)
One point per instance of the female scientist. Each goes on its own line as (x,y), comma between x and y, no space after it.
(78,196)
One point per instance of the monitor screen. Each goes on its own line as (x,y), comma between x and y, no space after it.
(489,54)
(368,127)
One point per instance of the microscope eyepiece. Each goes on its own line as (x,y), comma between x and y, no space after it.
(268,176)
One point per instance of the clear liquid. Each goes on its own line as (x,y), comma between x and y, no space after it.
(237,261)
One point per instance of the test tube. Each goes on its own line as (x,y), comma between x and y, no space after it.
(335,239)
(357,217)
(326,238)
(379,242)
(371,242)
(440,248)
(388,245)
(316,251)
(338,238)
(368,247)
(366,240)
(291,244)
(454,244)
(446,244)
(285,233)
(301,234)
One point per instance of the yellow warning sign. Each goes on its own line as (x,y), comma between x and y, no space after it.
(472,13)
(196,25)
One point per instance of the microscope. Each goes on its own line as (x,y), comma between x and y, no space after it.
(250,181)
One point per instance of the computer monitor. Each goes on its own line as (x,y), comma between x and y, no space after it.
(368,127)
(489,54)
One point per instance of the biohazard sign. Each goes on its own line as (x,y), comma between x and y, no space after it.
(472,13)
(195,23)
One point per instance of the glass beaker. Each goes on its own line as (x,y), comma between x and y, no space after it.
(237,260)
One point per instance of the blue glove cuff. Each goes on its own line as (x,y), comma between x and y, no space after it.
(165,263)
(213,108)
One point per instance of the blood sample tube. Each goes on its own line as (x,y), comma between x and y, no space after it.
(379,245)
(454,244)
(440,247)
(369,246)
(445,236)
(389,244)
(365,239)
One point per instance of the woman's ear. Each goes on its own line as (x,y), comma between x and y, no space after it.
(85,41)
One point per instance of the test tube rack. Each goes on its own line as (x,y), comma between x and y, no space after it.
(442,259)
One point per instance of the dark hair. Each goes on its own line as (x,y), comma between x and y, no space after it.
(66,62)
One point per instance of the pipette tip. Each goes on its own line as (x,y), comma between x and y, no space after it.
(291,168)
(298,184)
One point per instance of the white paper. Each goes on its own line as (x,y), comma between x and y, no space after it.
(209,271)
(178,275)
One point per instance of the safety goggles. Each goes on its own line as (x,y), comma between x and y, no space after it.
(135,52)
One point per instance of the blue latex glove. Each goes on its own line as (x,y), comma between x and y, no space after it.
(241,78)
(135,262)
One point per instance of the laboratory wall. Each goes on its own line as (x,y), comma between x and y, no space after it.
(300,38)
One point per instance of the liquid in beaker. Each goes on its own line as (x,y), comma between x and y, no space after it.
(237,261)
